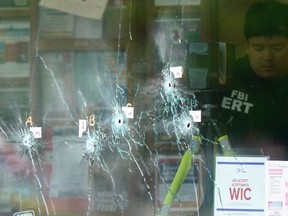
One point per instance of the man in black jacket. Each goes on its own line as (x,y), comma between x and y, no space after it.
(256,109)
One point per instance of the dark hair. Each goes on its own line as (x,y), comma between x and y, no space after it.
(267,18)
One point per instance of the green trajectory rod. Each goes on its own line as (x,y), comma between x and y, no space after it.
(178,180)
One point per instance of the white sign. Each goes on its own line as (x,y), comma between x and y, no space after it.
(88,8)
(276,180)
(239,186)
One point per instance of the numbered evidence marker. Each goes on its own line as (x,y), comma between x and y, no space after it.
(177,71)
(29,121)
(129,111)
(36,131)
(82,126)
(92,120)
(196,115)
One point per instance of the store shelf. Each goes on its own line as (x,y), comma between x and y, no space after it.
(6,13)
(176,9)
(48,45)
(14,82)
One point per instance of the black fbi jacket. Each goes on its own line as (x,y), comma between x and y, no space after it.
(255,112)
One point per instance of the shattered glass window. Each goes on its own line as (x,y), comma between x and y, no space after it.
(110,108)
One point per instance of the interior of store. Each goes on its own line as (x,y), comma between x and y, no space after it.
(93,123)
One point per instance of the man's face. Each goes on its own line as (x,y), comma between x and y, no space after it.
(268,56)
